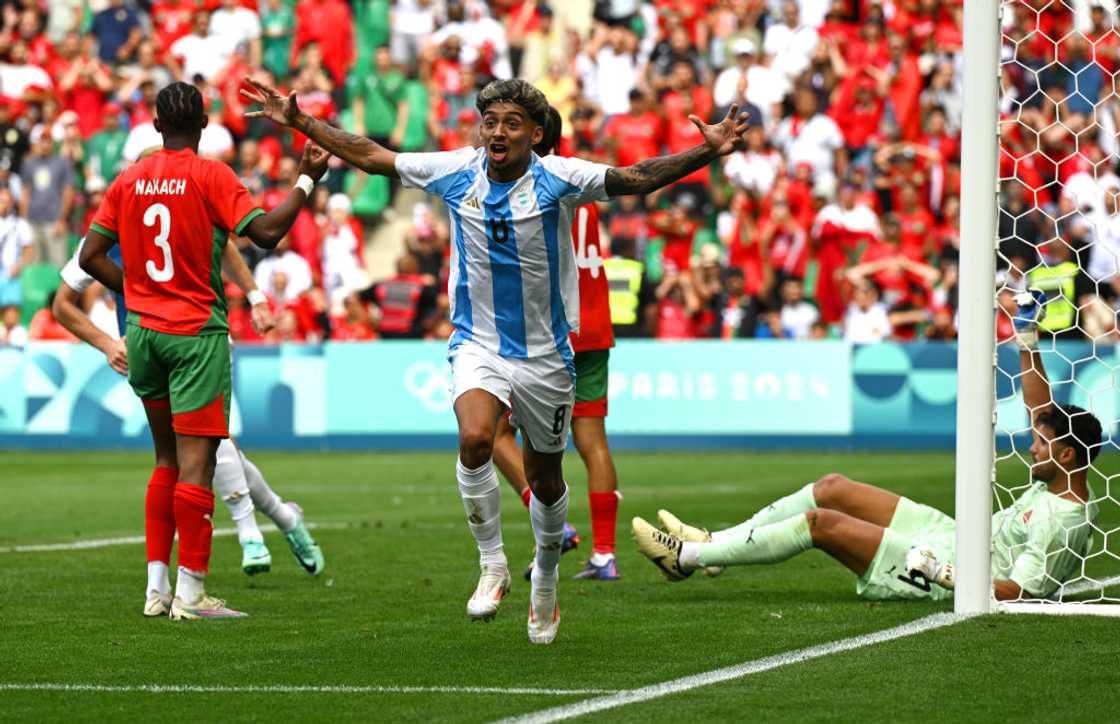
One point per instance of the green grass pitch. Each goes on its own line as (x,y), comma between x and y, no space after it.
(389,610)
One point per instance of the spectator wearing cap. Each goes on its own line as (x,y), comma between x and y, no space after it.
(342,266)
(812,137)
(790,44)
(118,32)
(733,85)
(47,181)
(17,250)
(637,134)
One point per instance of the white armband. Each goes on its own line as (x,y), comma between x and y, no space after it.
(304,182)
(256,296)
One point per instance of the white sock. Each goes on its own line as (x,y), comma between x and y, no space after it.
(188,586)
(482,501)
(548,530)
(232,487)
(267,501)
(158,579)
(783,509)
(601,559)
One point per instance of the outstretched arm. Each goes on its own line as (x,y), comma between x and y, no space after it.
(357,151)
(268,229)
(646,176)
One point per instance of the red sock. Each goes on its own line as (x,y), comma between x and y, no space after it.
(194,509)
(525,495)
(159,514)
(604,514)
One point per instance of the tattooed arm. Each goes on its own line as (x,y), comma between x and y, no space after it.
(651,174)
(647,176)
(358,151)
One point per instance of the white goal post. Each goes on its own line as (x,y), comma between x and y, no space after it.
(987,49)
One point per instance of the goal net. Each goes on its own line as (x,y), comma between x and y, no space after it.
(1058,230)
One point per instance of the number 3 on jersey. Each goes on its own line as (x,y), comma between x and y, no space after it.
(160,213)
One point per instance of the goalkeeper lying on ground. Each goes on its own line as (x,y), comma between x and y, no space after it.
(902,549)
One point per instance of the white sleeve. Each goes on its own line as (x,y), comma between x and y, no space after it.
(73,275)
(584,181)
(25,237)
(419,170)
(723,93)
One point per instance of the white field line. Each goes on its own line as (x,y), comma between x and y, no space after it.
(294,689)
(1091,585)
(135,539)
(675,686)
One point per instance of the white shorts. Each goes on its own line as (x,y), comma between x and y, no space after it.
(539,392)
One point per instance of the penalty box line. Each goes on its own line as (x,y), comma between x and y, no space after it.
(738,671)
(293,689)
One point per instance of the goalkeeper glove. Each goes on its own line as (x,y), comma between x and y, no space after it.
(1031,312)
(921,561)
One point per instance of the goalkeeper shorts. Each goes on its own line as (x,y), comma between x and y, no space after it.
(913,524)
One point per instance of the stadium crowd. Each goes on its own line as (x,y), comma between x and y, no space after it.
(839,220)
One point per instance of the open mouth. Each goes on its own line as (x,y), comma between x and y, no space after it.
(498,152)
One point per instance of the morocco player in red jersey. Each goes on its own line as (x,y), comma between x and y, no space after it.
(172,213)
(592,351)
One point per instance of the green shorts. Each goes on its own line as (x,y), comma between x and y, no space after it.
(591,383)
(191,374)
(913,524)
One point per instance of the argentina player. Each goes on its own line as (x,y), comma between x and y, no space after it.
(514,299)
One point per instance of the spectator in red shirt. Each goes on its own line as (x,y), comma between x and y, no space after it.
(636,135)
(85,87)
(681,135)
(45,328)
(462,134)
(678,305)
(858,109)
(678,230)
(916,226)
(171,20)
(330,23)
(355,324)
(784,242)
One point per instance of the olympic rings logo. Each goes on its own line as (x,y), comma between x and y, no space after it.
(429,384)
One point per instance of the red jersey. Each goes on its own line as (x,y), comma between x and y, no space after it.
(637,137)
(595,331)
(172,214)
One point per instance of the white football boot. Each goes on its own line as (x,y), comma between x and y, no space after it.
(544,616)
(672,525)
(157,604)
(493,585)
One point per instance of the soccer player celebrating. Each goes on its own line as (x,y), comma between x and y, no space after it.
(592,351)
(900,549)
(237,480)
(514,299)
(171,214)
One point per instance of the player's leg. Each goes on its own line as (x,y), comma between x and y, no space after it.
(543,395)
(232,487)
(201,388)
(481,389)
(590,437)
(507,456)
(159,508)
(851,541)
(288,517)
(148,378)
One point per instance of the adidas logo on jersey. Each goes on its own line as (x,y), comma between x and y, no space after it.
(473,203)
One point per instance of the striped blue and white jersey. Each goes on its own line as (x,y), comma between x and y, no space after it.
(514,286)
